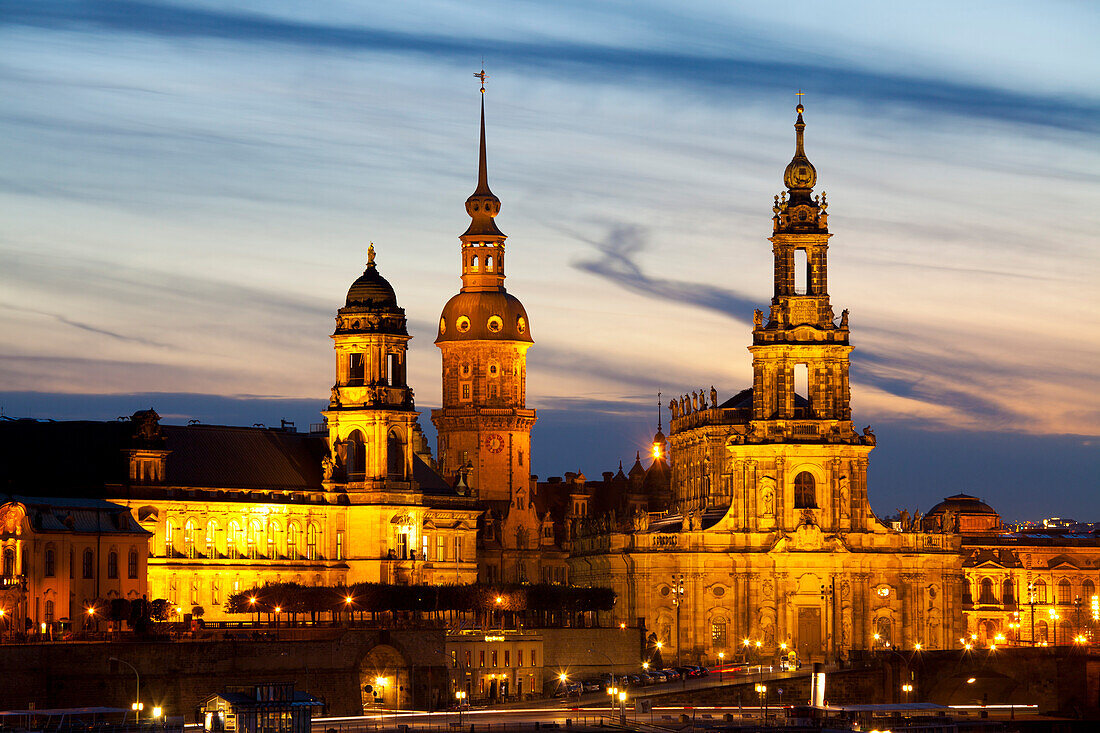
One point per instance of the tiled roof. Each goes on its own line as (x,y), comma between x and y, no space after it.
(92,516)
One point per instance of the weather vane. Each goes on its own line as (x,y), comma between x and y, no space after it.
(483,76)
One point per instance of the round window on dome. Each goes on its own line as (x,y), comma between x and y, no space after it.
(462,324)
(521,324)
(495,324)
(443,325)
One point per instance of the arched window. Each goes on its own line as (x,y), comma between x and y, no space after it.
(49,562)
(311,542)
(233,540)
(89,564)
(473,262)
(216,592)
(357,456)
(804,495)
(718,638)
(9,562)
(1008,596)
(1065,592)
(189,539)
(395,457)
(132,564)
(292,532)
(1039,590)
(884,629)
(212,539)
(986,595)
(1088,590)
(272,540)
(254,530)
(170,539)
(112,564)
(489,263)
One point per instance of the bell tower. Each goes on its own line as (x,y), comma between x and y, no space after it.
(484,426)
(800,356)
(372,419)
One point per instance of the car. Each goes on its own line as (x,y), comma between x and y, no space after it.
(659,676)
(673,674)
(592,685)
(787,665)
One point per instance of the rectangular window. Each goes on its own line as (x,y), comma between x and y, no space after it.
(112,564)
(533,662)
(454,658)
(89,564)
(469,663)
(440,548)
(507,658)
(466,391)
(340,544)
(481,656)
(49,562)
(519,657)
(355,369)
(458,549)
(132,565)
(424,547)
(215,592)
(494,658)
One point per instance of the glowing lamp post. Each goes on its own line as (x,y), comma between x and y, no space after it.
(252,605)
(721,665)
(622,705)
(907,688)
(460,696)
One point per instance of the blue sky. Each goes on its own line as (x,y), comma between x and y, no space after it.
(188,190)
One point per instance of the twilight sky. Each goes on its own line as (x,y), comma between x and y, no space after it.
(187,190)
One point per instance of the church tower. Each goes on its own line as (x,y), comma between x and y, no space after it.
(792,456)
(372,421)
(484,425)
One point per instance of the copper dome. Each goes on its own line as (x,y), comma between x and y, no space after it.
(372,291)
(484,316)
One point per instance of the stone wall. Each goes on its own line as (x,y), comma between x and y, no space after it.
(591,652)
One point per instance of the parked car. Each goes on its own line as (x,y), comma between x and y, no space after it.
(673,674)
(592,685)
(787,665)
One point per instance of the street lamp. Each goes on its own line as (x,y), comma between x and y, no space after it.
(907,688)
(252,603)
(762,691)
(622,705)
(1054,622)
(613,692)
(137,706)
(461,697)
(721,665)
(678,602)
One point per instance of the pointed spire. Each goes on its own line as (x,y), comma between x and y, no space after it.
(482,205)
(482,168)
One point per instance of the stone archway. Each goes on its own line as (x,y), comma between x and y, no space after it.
(384,662)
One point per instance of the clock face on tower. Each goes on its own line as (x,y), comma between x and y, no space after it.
(494,442)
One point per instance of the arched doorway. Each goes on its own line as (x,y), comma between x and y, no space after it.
(383,677)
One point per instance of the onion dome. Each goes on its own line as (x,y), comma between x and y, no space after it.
(371,290)
(800,174)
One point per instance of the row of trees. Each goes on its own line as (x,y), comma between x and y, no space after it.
(542,603)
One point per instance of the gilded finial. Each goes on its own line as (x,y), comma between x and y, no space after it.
(800,94)
(483,76)
(370,255)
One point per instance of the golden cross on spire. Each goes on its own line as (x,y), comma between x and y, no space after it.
(800,94)
(483,76)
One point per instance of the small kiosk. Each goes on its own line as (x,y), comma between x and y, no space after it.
(266,708)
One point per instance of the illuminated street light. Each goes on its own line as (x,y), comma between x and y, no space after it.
(157,711)
(907,688)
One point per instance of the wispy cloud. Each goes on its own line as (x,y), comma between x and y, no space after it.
(85,326)
(712,73)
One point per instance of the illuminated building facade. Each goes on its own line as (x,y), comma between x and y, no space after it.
(770,537)
(64,561)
